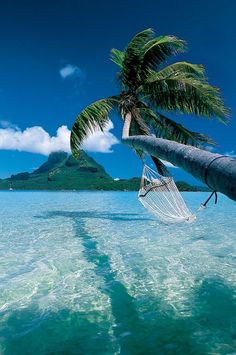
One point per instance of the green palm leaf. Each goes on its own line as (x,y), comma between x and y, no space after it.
(166,128)
(180,92)
(188,69)
(131,71)
(92,117)
(157,50)
(117,57)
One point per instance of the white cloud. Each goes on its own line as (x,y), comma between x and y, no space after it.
(37,140)
(101,141)
(231,154)
(71,71)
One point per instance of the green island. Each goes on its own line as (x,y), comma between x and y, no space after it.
(63,172)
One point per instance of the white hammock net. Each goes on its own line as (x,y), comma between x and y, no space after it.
(160,195)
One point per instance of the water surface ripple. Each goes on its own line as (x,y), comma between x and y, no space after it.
(95,273)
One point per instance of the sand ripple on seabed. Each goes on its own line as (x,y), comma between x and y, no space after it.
(48,271)
(166,262)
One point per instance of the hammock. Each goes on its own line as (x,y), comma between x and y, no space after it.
(160,195)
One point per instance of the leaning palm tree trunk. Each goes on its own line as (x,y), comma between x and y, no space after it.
(215,170)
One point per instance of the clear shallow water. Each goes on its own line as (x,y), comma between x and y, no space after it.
(94,273)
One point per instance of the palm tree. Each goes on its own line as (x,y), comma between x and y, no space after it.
(149,91)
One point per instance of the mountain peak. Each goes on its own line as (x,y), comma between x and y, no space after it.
(54,159)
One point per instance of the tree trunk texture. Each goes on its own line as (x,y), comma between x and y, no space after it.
(215,170)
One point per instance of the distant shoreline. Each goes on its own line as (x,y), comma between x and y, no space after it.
(88,190)
(61,172)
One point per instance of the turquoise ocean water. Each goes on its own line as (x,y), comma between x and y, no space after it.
(95,273)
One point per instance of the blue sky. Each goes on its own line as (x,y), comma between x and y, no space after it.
(55,60)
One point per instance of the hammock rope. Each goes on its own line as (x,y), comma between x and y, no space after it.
(160,195)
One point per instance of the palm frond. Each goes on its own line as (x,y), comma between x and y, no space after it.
(91,118)
(182,93)
(139,40)
(178,68)
(181,134)
(164,127)
(131,73)
(117,57)
(157,50)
